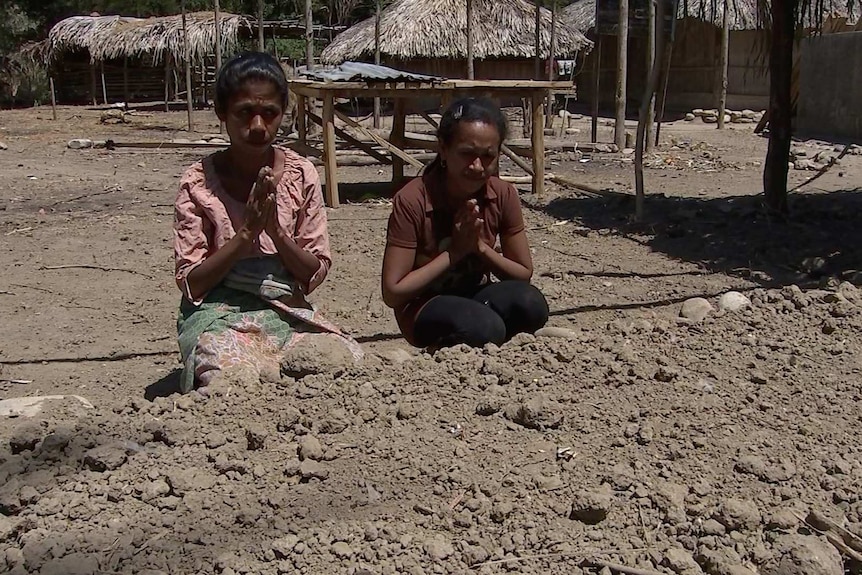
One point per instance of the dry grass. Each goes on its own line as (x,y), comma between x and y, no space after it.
(110,37)
(437,29)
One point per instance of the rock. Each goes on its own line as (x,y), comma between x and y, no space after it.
(79,144)
(738,515)
(3,146)
(591,506)
(255,435)
(310,448)
(806,555)
(750,114)
(314,354)
(105,458)
(310,469)
(438,548)
(572,131)
(559,332)
(690,117)
(538,412)
(335,421)
(695,309)
(474,554)
(25,437)
(710,119)
(713,527)
(733,301)
(784,470)
(680,561)
(721,561)
(804,164)
(628,151)
(698,112)
(155,489)
(488,406)
(342,550)
(782,520)
(8,528)
(501,511)
(73,564)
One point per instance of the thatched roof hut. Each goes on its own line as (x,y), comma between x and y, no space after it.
(117,37)
(436,29)
(743,14)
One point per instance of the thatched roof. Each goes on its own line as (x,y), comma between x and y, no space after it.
(109,37)
(438,29)
(743,14)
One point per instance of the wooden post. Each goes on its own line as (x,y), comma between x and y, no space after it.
(53,98)
(301,125)
(597,72)
(261,46)
(329,160)
(622,73)
(668,54)
(104,87)
(650,62)
(167,83)
(126,80)
(470,72)
(549,117)
(188,63)
(217,22)
(93,83)
(377,58)
(396,138)
(723,62)
(538,140)
(538,42)
(309,35)
(780,105)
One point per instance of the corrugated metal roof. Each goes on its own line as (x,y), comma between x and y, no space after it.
(362,72)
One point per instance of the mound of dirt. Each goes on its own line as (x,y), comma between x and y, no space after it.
(667,445)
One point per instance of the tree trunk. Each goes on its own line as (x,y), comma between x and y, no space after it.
(217,28)
(622,72)
(470,72)
(549,116)
(377,58)
(656,17)
(780,105)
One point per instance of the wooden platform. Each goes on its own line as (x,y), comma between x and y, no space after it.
(358,136)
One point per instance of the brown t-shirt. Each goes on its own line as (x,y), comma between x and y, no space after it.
(422,220)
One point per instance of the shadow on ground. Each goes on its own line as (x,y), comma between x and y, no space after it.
(736,235)
(166,386)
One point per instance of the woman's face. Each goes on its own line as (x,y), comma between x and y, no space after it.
(253,116)
(471,158)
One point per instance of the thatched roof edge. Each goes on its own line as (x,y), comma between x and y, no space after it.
(437,29)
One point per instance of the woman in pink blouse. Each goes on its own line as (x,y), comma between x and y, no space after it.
(250,238)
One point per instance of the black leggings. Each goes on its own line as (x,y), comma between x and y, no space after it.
(495,314)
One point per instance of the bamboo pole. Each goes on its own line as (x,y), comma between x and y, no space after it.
(597,72)
(53,98)
(668,55)
(188,64)
(126,80)
(538,144)
(377,58)
(470,72)
(723,59)
(261,45)
(622,73)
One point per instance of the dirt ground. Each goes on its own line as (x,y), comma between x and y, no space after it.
(628,435)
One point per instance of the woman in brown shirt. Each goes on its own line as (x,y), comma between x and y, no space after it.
(440,245)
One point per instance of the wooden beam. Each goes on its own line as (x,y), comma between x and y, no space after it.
(394,149)
(330,165)
(126,80)
(377,58)
(429,119)
(650,63)
(538,144)
(309,35)
(53,98)
(261,44)
(217,29)
(396,137)
(367,148)
(537,42)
